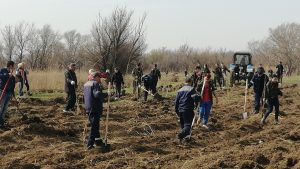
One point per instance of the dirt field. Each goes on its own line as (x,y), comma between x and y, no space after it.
(143,136)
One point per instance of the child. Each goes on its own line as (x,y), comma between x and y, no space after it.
(22,72)
(184,107)
(207,89)
(272,93)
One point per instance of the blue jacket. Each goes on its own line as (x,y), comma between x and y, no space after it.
(4,76)
(186,99)
(258,82)
(93,97)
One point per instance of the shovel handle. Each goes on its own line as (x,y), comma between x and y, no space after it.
(107,113)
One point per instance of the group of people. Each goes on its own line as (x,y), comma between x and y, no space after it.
(7,86)
(94,95)
(198,92)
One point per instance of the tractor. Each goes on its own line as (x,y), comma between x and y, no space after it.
(241,68)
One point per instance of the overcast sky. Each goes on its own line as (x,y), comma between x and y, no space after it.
(227,24)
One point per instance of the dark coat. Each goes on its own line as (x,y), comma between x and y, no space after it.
(70,76)
(272,90)
(186,99)
(117,78)
(93,97)
(4,77)
(258,82)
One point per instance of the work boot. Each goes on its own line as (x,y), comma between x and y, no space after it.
(276,122)
(99,142)
(205,126)
(29,94)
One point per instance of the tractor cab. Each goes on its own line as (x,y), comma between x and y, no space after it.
(241,66)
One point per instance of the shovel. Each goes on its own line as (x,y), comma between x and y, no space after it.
(245,114)
(105,147)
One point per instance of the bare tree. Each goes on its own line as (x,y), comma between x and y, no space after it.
(73,42)
(23,33)
(282,44)
(115,40)
(9,41)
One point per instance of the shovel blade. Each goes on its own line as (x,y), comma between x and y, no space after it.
(245,115)
(105,148)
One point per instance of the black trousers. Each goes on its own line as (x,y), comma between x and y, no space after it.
(153,86)
(272,102)
(186,119)
(118,90)
(94,119)
(71,100)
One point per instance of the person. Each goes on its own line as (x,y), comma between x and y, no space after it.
(261,67)
(7,86)
(271,96)
(279,71)
(90,74)
(70,88)
(206,101)
(155,74)
(197,75)
(270,73)
(118,82)
(184,107)
(137,74)
(258,81)
(146,81)
(22,72)
(218,76)
(93,101)
(206,69)
(224,69)
(185,73)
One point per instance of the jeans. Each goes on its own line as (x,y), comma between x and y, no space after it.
(71,100)
(94,118)
(204,111)
(3,106)
(272,102)
(186,119)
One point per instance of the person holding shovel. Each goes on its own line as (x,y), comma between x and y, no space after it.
(207,88)
(70,87)
(7,86)
(272,93)
(93,101)
(186,100)
(259,81)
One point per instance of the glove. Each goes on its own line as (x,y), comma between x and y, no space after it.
(72,82)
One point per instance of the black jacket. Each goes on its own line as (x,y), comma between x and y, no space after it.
(258,82)
(4,77)
(117,78)
(272,90)
(70,76)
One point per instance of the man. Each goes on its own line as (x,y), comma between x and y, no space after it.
(70,87)
(184,107)
(155,74)
(7,86)
(218,76)
(279,71)
(147,82)
(259,81)
(23,73)
(137,74)
(197,75)
(272,93)
(93,101)
(224,69)
(118,82)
